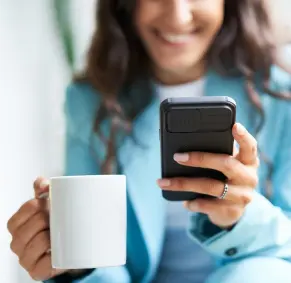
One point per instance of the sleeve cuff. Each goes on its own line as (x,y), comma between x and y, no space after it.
(68,278)
(104,275)
(263,228)
(202,228)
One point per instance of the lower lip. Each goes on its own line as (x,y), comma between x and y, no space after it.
(176,44)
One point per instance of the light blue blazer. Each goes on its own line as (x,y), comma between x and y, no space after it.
(264,230)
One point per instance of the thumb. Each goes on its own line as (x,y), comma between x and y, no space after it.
(41,187)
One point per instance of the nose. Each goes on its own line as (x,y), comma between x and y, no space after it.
(178,12)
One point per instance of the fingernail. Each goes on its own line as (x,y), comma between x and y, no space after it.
(164,183)
(44,196)
(186,204)
(240,129)
(181,157)
(44,184)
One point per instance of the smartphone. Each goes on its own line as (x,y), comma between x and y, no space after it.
(194,124)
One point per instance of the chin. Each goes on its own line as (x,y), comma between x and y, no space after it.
(176,62)
(176,66)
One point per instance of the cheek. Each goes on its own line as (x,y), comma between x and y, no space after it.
(213,17)
(142,18)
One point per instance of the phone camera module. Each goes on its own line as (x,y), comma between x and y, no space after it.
(183,121)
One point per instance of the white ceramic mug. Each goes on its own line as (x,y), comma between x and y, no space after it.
(88,221)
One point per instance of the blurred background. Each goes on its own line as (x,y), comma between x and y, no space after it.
(41,44)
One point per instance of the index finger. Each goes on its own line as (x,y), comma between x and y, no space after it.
(31,207)
(248,151)
(25,212)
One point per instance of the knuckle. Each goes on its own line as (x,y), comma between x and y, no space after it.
(254,181)
(228,163)
(254,149)
(13,246)
(252,178)
(10,225)
(30,205)
(23,262)
(246,198)
(22,235)
(234,212)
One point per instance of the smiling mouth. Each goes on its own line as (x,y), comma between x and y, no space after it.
(177,38)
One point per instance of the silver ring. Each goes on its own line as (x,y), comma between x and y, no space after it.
(225,191)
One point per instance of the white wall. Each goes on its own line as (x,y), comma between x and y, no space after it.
(33,75)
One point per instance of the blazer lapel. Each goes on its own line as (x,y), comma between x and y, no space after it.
(140,159)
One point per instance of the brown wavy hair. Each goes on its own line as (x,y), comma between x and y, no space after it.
(116,58)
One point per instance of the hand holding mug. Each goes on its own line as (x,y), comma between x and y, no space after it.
(81,226)
(29,228)
(231,198)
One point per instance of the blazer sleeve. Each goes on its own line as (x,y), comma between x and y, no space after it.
(265,228)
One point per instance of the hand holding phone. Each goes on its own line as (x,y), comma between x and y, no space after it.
(194,125)
(204,164)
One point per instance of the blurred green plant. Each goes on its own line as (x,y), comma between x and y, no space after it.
(62,11)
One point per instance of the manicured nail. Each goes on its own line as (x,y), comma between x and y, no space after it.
(186,204)
(240,129)
(164,183)
(44,196)
(181,157)
(44,184)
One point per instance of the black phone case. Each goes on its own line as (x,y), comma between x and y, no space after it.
(194,124)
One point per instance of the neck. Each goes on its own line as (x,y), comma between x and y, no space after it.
(171,77)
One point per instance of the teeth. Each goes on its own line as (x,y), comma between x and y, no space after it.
(176,38)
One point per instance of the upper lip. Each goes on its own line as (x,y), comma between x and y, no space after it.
(177,32)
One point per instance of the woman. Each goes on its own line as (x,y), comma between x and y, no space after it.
(143,52)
